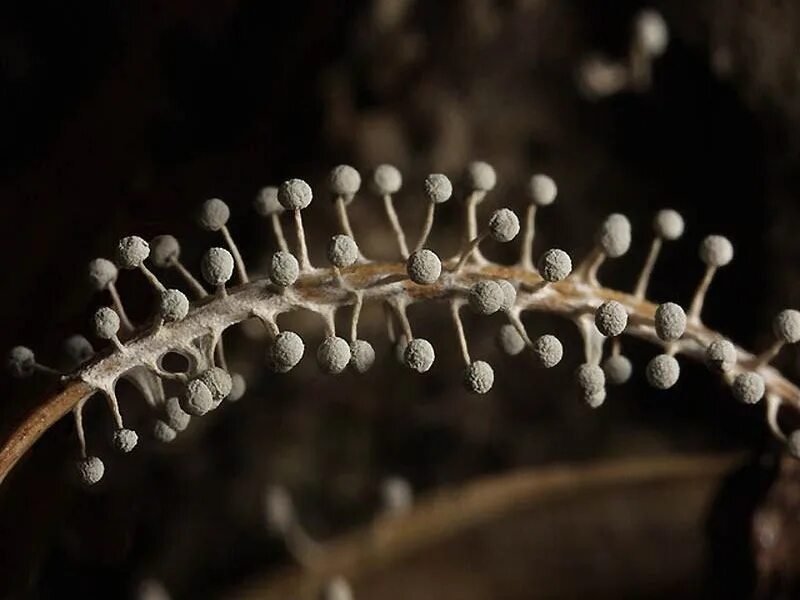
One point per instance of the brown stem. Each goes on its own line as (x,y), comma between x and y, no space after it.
(391,538)
(39,421)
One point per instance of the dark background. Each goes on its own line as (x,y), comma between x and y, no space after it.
(119,118)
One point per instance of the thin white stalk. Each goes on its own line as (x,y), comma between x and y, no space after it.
(455,306)
(356,315)
(526,252)
(302,249)
(237,257)
(77,413)
(700,295)
(388,205)
(190,279)
(117,301)
(647,270)
(152,278)
(427,227)
(470,251)
(277,230)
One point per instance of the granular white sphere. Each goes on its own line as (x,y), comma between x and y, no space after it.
(345,181)
(131,252)
(595,399)
(294,194)
(542,190)
(333,355)
(238,387)
(548,350)
(219,383)
(509,294)
(101,273)
(173,305)
(748,387)
(78,350)
(481,176)
(479,377)
(177,418)
(213,215)
(509,340)
(793,443)
(197,399)
(668,224)
(437,188)
(419,355)
(555,265)
(652,33)
(611,318)
(336,589)
(618,369)
(125,440)
(106,323)
(386,179)
(423,267)
(286,351)
(283,268)
(21,361)
(591,379)
(266,203)
(362,355)
(786,326)
(721,355)
(217,266)
(342,251)
(670,321)
(716,251)
(90,470)
(503,225)
(486,297)
(165,250)
(163,432)
(614,236)
(663,371)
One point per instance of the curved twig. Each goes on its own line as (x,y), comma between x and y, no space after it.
(319,290)
(444,514)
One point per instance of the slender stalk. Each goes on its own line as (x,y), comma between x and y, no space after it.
(302,249)
(647,270)
(427,227)
(344,220)
(470,250)
(277,230)
(700,295)
(237,257)
(388,206)
(117,301)
(526,252)
(152,278)
(190,279)
(356,315)
(455,307)
(77,413)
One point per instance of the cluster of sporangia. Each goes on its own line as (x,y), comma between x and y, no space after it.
(207,381)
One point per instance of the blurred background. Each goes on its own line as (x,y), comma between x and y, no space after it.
(120,118)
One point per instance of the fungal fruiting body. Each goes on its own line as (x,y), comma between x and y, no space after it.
(468,279)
